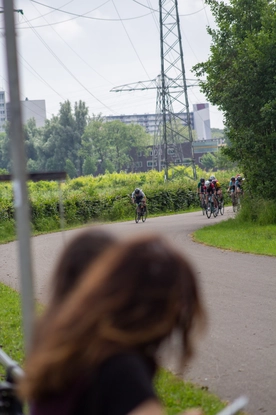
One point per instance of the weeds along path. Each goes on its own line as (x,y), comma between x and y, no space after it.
(237,355)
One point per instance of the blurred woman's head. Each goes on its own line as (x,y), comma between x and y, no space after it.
(131,298)
(80,252)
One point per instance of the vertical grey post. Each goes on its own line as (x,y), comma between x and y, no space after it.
(19,176)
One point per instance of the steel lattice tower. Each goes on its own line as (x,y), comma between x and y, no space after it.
(172,97)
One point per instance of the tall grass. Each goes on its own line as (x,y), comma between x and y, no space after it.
(257,211)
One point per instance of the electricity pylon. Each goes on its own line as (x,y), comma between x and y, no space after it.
(171,84)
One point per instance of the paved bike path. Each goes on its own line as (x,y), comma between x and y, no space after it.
(237,355)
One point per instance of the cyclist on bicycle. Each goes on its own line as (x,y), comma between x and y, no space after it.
(218,189)
(210,191)
(138,197)
(238,184)
(201,191)
(232,189)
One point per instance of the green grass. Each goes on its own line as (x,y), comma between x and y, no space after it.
(11,337)
(175,394)
(238,236)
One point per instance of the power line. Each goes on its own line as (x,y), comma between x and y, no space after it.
(157,11)
(76,53)
(89,17)
(39,76)
(46,14)
(67,70)
(131,41)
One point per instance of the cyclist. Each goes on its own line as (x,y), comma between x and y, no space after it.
(232,189)
(218,189)
(210,190)
(239,184)
(138,197)
(201,190)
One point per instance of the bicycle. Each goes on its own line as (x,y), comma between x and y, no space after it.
(202,203)
(141,212)
(210,208)
(220,203)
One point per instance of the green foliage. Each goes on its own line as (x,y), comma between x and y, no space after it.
(89,166)
(240,80)
(106,197)
(257,211)
(208,161)
(70,169)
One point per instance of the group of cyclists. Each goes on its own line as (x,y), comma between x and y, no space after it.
(207,190)
(211,190)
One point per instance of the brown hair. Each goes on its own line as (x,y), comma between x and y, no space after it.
(80,252)
(76,257)
(130,299)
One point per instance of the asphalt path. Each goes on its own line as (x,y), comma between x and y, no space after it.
(237,354)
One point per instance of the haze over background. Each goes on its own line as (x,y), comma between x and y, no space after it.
(115,42)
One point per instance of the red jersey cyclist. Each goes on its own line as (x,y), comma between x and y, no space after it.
(210,191)
(218,190)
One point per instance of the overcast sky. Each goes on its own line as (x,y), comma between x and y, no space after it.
(116,42)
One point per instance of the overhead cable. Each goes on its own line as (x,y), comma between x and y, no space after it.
(89,17)
(157,11)
(66,68)
(75,52)
(131,41)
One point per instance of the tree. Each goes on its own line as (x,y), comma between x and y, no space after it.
(240,80)
(61,139)
(70,169)
(111,143)
(89,166)
(208,161)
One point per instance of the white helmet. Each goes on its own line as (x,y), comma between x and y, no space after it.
(207,183)
(212,178)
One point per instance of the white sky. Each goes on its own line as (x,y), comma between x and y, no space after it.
(83,58)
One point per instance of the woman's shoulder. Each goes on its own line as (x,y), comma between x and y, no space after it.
(128,363)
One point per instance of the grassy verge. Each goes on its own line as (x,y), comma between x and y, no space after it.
(175,394)
(238,236)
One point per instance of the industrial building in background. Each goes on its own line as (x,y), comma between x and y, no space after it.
(31,109)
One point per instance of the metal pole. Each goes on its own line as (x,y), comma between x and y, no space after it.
(9,364)
(19,176)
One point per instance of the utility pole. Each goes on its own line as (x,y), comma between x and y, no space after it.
(172,98)
(19,176)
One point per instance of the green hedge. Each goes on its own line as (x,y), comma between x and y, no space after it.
(82,205)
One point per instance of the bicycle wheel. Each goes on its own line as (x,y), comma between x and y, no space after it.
(221,207)
(137,216)
(144,216)
(209,210)
(214,211)
(203,207)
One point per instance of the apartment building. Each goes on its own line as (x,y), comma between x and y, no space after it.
(31,109)
(200,120)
